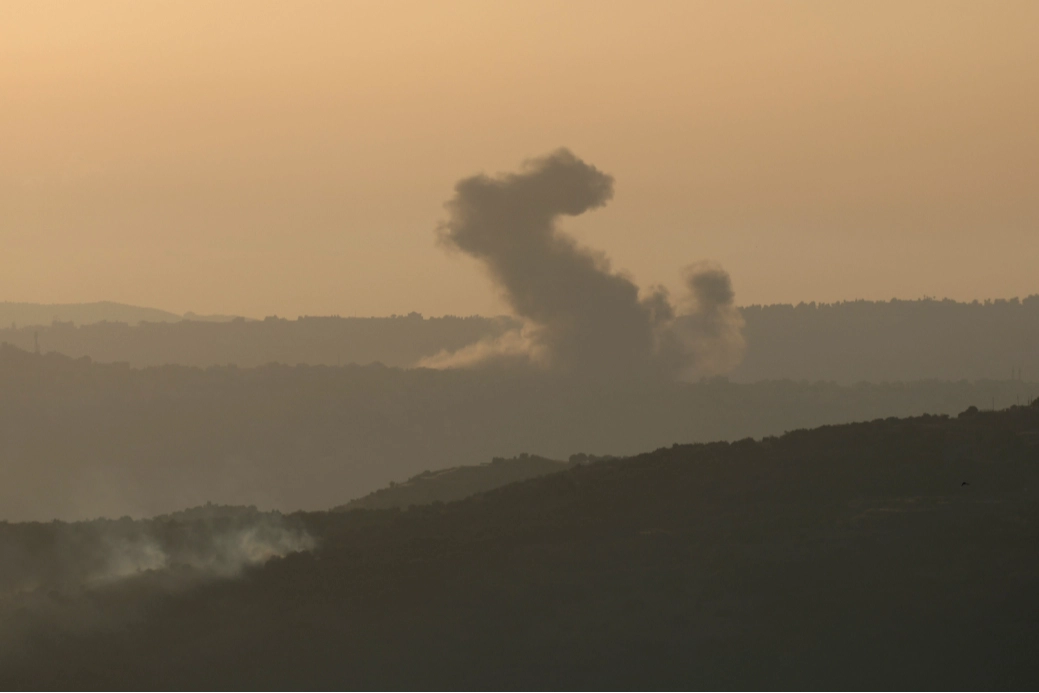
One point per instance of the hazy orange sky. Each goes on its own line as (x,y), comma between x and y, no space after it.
(292,158)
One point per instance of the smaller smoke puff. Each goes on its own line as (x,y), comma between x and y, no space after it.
(709,332)
(579,315)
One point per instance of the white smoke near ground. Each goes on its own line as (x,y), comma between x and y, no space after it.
(213,551)
(128,557)
(516,346)
(579,315)
(77,577)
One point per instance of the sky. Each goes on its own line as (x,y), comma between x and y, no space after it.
(293,158)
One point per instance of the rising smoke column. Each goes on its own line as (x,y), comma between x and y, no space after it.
(580,316)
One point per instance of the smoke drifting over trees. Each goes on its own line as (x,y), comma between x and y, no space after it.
(90,577)
(580,316)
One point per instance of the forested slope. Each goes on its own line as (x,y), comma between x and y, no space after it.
(844,557)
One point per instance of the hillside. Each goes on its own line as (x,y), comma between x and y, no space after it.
(455,483)
(843,557)
(80,440)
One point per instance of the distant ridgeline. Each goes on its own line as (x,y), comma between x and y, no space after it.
(80,439)
(872,341)
(37,314)
(844,342)
(455,483)
(393,341)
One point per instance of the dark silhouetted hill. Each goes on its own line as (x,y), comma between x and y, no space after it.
(843,557)
(80,439)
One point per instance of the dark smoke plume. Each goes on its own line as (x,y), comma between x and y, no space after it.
(580,316)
